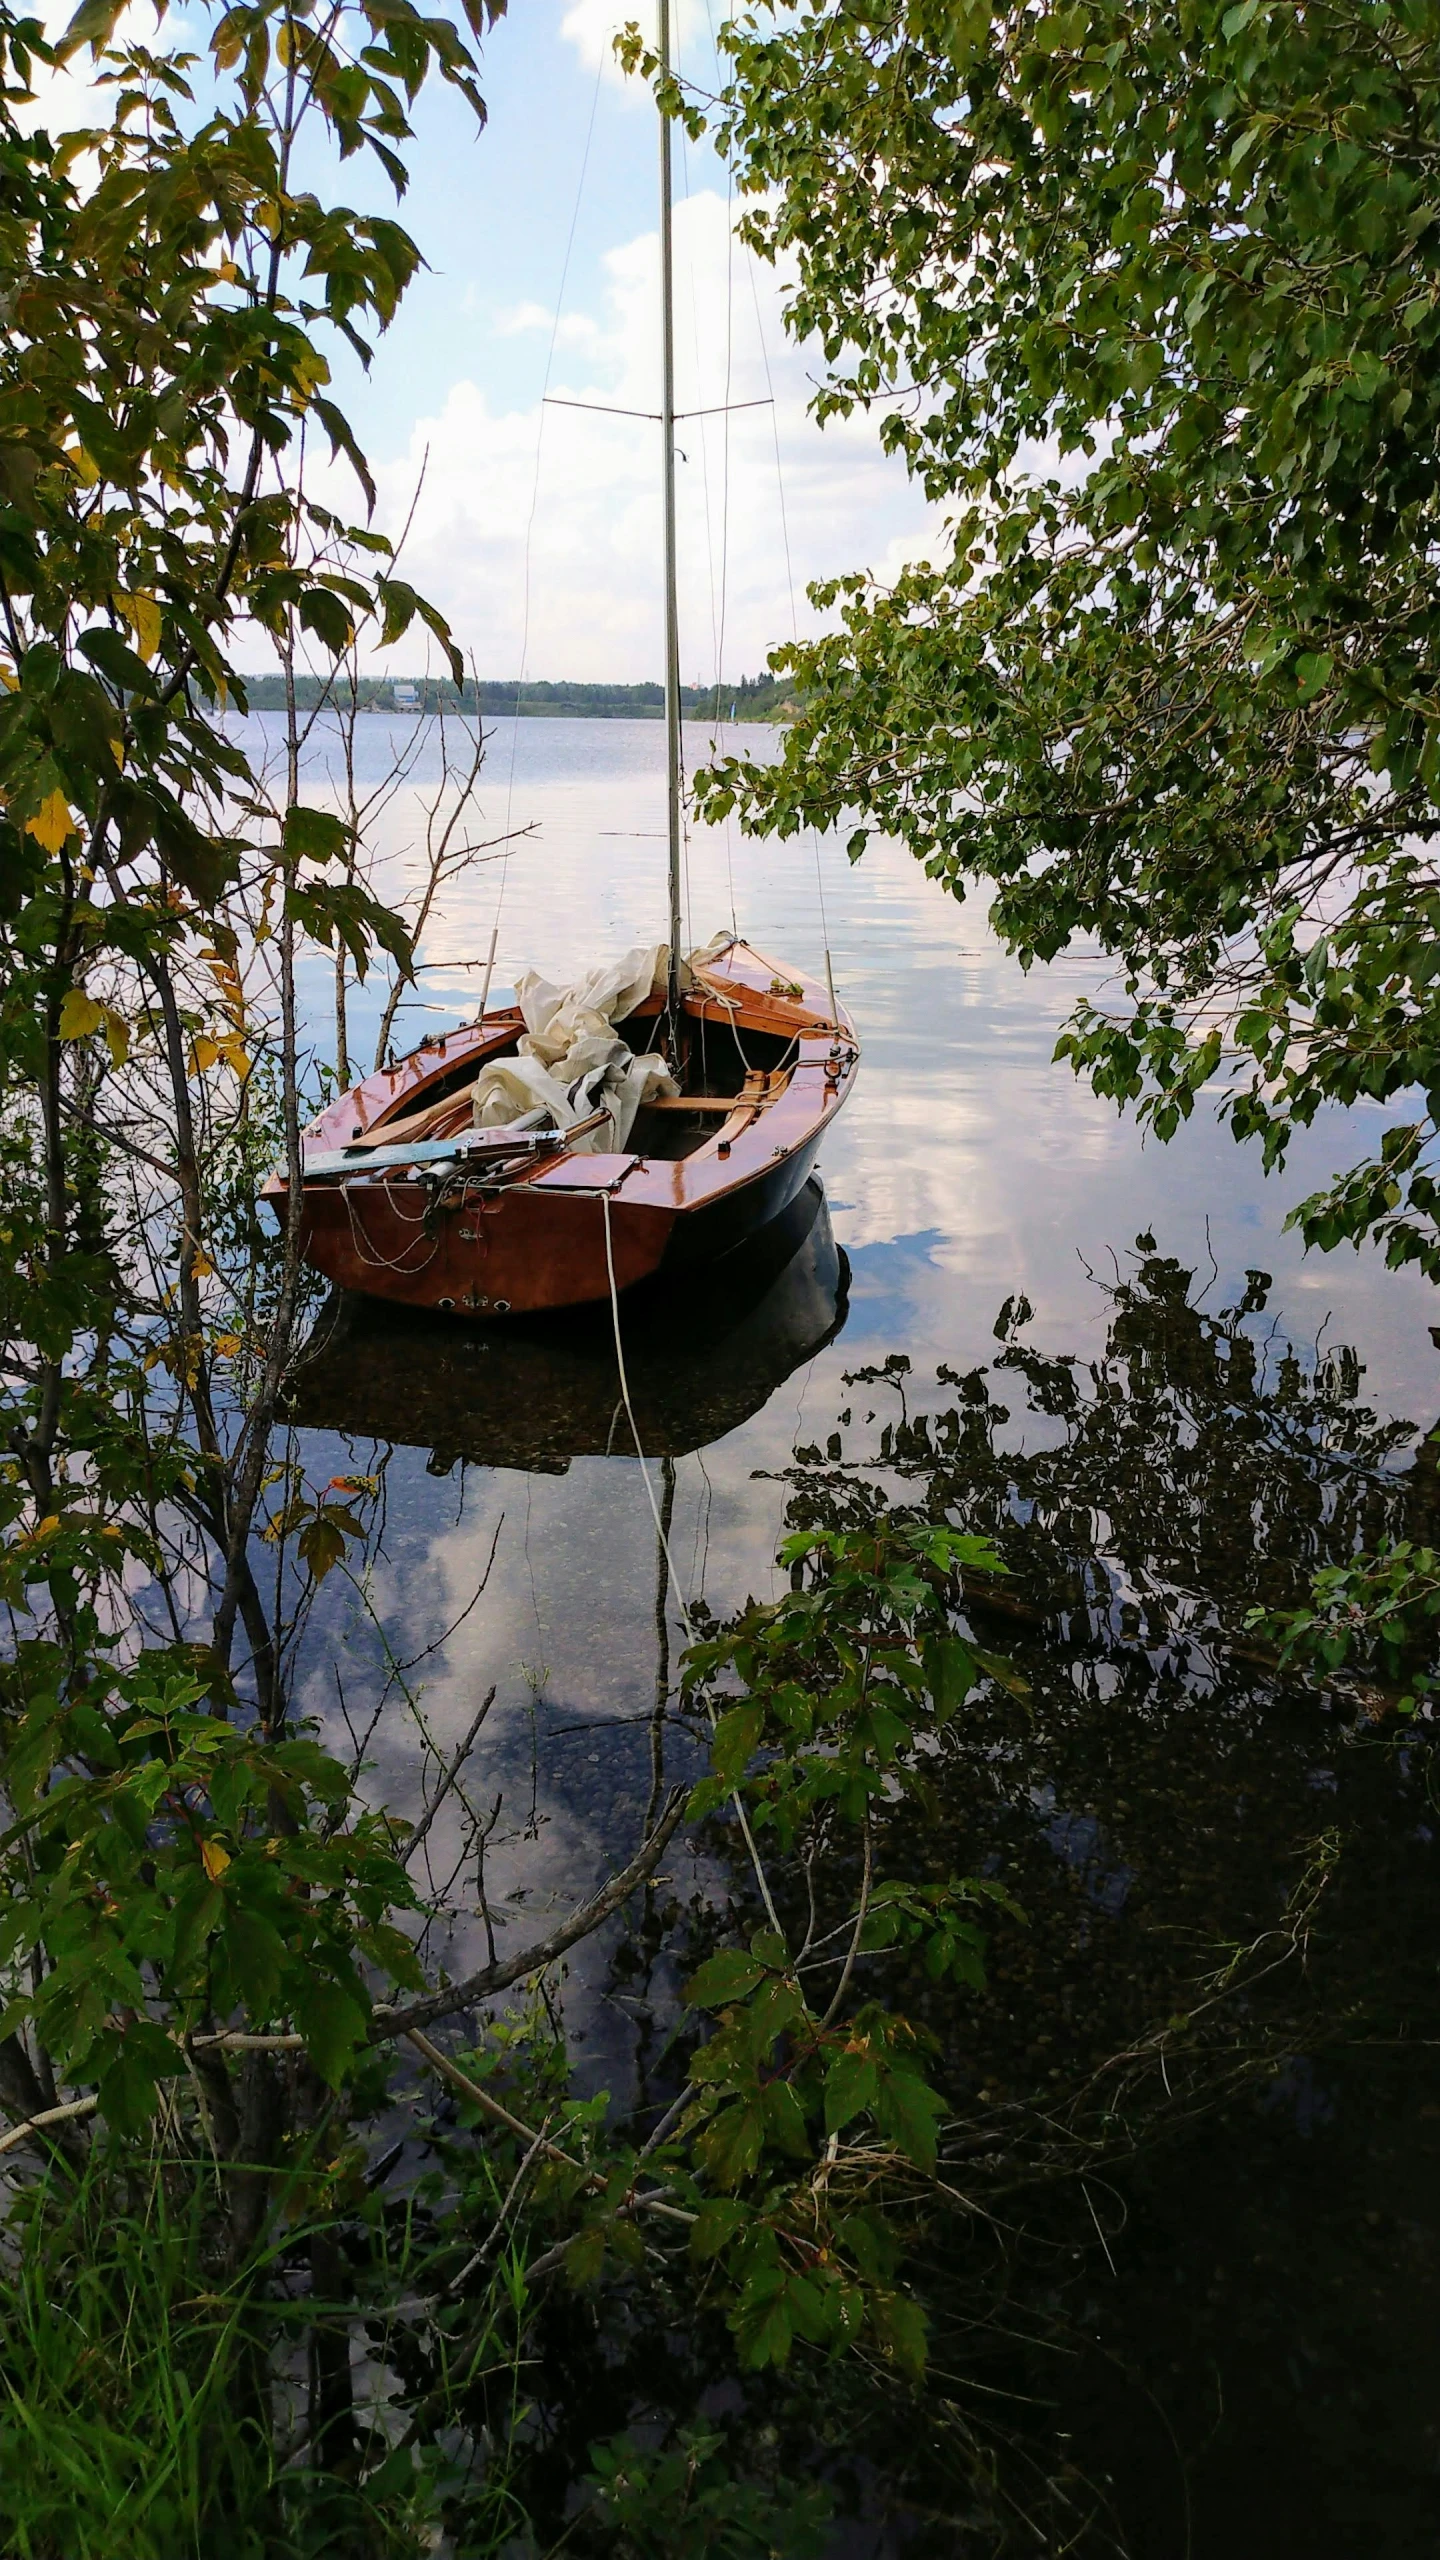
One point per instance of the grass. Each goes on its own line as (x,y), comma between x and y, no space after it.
(146,2401)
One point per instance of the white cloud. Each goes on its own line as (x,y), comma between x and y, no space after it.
(70,98)
(592,26)
(527,319)
(591,564)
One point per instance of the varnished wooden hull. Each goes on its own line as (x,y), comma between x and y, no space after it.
(537,1241)
(703,1353)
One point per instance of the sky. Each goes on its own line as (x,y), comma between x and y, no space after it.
(537,529)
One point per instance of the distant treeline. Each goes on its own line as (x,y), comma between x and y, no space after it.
(751,698)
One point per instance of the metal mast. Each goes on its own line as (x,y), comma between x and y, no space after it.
(672,614)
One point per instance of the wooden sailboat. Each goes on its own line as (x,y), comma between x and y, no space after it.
(406,1198)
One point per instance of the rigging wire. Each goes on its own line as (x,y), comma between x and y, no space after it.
(794,619)
(725,502)
(530,525)
(718,624)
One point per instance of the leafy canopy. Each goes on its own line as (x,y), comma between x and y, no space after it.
(173,1853)
(1148,298)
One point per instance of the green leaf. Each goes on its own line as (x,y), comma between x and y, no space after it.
(331,2016)
(852,2084)
(766,2339)
(315,835)
(723,1978)
(94,24)
(256,1954)
(585,2255)
(393,1952)
(785,2120)
(399,605)
(342,440)
(736,1736)
(717,2223)
(907,2112)
(321,1545)
(1313,668)
(325,614)
(902,2329)
(731,2142)
(344,911)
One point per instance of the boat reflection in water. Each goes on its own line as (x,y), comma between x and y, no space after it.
(701,1357)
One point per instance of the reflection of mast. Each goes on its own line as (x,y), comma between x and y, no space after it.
(672,614)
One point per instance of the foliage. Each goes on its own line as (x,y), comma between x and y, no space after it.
(173,1851)
(1147,300)
(174,1868)
(1191,1471)
(838,1688)
(1376,1612)
(685,2504)
(536,698)
(135,2385)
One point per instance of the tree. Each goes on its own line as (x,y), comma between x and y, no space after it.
(1149,300)
(211,1944)
(165,286)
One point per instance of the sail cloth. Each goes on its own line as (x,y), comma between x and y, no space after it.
(571,1061)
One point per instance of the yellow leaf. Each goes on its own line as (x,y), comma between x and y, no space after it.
(227,978)
(8,677)
(117,1035)
(52,822)
(204,1053)
(86,472)
(143,615)
(79,1014)
(201,1264)
(227,1344)
(214,1859)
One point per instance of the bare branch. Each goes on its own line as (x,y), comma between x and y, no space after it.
(581,1924)
(451,1774)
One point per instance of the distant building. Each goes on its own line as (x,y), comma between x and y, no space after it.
(407,697)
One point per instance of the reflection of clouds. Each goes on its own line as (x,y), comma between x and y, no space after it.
(964,1167)
(959,1123)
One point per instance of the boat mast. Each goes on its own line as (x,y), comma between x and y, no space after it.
(672,613)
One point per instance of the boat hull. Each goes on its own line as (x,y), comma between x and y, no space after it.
(702,1356)
(466,1243)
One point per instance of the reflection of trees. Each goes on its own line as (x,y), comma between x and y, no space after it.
(1159,1796)
(1145,1499)
(1159,1806)
(1156,1807)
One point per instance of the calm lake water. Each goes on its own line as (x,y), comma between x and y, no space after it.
(1229,2347)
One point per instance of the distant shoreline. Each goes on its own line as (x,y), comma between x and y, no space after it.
(752,698)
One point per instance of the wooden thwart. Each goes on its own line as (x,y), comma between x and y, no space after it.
(699,1102)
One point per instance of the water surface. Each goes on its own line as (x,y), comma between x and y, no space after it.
(1166,1430)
